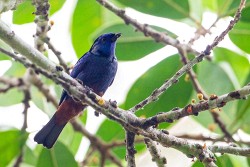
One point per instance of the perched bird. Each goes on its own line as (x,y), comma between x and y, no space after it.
(95,69)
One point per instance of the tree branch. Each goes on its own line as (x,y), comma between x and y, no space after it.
(58,55)
(194,109)
(144,28)
(96,143)
(130,149)
(9,5)
(156,157)
(157,92)
(199,89)
(10,83)
(130,121)
(125,118)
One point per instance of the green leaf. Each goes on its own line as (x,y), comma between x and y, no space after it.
(41,102)
(242,116)
(6,47)
(173,9)
(58,156)
(214,80)
(245,15)
(13,96)
(71,138)
(224,161)
(83,117)
(226,7)
(176,96)
(221,7)
(11,143)
(237,62)
(23,13)
(196,9)
(240,36)
(210,4)
(29,156)
(132,45)
(87,18)
(55,5)
(16,70)
(238,160)
(110,131)
(197,164)
(245,12)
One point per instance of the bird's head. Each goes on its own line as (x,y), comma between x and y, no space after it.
(105,44)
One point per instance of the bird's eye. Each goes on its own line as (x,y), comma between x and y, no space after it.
(103,39)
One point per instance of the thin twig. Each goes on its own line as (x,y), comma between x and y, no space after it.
(156,157)
(26,100)
(125,118)
(19,159)
(58,55)
(210,138)
(202,32)
(10,82)
(119,143)
(146,29)
(96,143)
(174,79)
(198,88)
(88,155)
(36,81)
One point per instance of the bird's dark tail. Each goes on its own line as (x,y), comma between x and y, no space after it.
(49,133)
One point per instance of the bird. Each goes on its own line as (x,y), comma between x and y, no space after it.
(96,69)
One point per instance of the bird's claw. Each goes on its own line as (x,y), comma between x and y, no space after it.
(80,81)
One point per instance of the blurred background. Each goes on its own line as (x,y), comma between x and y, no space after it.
(143,66)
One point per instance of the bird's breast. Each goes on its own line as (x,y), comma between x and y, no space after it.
(100,74)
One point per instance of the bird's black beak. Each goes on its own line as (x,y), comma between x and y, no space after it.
(116,36)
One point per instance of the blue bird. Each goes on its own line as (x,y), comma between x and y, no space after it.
(95,69)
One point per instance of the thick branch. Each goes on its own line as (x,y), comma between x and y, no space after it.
(130,149)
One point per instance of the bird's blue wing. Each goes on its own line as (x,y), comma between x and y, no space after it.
(63,96)
(79,67)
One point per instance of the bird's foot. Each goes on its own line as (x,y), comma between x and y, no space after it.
(76,100)
(80,81)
